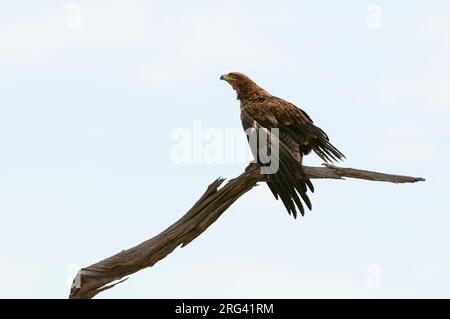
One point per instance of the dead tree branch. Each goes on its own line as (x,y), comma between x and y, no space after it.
(104,274)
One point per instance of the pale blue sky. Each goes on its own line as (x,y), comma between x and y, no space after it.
(86,116)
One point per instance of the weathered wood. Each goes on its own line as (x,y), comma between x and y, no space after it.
(104,274)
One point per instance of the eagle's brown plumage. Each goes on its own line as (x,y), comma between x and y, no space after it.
(297,136)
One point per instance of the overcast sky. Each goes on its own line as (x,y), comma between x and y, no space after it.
(91,93)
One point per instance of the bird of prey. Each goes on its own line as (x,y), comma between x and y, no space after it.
(297,136)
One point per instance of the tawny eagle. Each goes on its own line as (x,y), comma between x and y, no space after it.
(297,136)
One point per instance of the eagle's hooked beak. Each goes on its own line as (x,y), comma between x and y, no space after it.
(223,77)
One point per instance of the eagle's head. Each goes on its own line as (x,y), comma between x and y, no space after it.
(242,84)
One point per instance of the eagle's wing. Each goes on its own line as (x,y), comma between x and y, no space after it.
(289,181)
(295,123)
(297,137)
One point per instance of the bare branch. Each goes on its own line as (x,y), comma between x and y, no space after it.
(98,277)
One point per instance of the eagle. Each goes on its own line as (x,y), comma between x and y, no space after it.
(297,137)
